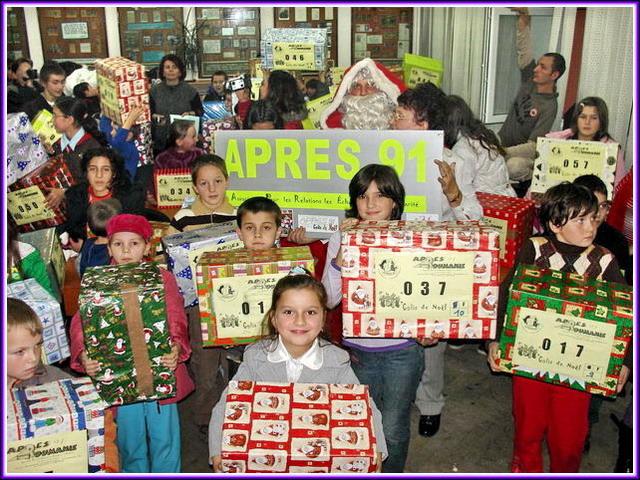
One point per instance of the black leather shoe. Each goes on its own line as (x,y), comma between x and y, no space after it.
(429,425)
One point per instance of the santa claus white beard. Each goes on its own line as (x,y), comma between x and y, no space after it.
(369,112)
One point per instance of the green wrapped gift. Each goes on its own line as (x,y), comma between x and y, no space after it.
(124,320)
(564,329)
(48,244)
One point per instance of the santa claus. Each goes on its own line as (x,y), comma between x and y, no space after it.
(365,100)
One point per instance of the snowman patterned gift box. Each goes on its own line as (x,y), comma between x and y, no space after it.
(564,329)
(58,407)
(125,327)
(55,345)
(235,289)
(404,279)
(298,428)
(183,250)
(25,151)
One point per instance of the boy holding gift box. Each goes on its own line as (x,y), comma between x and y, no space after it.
(148,432)
(568,213)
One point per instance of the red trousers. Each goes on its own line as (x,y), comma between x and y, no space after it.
(561,413)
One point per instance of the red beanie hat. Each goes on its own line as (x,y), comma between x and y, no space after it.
(130,223)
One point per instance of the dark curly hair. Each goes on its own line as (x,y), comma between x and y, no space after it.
(120,179)
(284,94)
(263,111)
(427,103)
(172,57)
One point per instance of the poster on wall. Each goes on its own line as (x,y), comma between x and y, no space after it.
(74,30)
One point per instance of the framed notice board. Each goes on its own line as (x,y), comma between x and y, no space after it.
(381,33)
(73,33)
(311,17)
(148,34)
(17,44)
(227,38)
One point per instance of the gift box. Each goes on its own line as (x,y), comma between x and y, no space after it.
(55,346)
(184,249)
(159,231)
(124,322)
(123,84)
(25,151)
(172,186)
(513,217)
(26,197)
(564,329)
(209,129)
(404,279)
(417,70)
(298,428)
(43,126)
(58,407)
(215,111)
(144,144)
(294,49)
(235,287)
(47,243)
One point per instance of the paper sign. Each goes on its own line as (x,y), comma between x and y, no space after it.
(240,304)
(294,56)
(569,346)
(56,453)
(434,285)
(315,108)
(194,255)
(503,227)
(327,224)
(43,125)
(28,205)
(171,189)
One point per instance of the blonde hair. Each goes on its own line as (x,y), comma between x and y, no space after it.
(19,314)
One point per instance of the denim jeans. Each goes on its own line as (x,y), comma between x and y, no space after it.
(393,377)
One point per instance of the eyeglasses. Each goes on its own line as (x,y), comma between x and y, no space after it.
(399,116)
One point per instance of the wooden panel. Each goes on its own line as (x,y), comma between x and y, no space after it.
(381,33)
(148,34)
(227,39)
(73,33)
(17,44)
(313,17)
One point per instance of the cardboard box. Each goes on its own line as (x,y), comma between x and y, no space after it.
(48,245)
(55,345)
(298,428)
(417,70)
(57,407)
(183,250)
(123,84)
(235,287)
(566,330)
(513,217)
(294,49)
(26,197)
(25,151)
(124,322)
(408,279)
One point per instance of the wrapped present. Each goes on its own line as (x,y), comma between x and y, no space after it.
(144,144)
(215,111)
(235,287)
(184,249)
(294,49)
(43,126)
(564,329)
(209,129)
(513,217)
(124,322)
(123,85)
(25,151)
(55,346)
(405,279)
(26,197)
(47,243)
(159,231)
(58,407)
(172,186)
(419,70)
(298,428)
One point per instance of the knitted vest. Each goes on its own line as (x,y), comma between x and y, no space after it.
(592,262)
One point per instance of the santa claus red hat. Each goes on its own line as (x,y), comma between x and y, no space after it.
(130,223)
(386,81)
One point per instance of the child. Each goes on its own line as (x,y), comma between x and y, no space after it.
(121,138)
(90,96)
(210,181)
(94,252)
(148,432)
(24,261)
(182,149)
(568,213)
(263,116)
(391,367)
(294,351)
(24,348)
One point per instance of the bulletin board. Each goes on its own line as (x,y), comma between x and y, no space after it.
(17,44)
(148,34)
(227,39)
(311,17)
(381,33)
(73,33)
